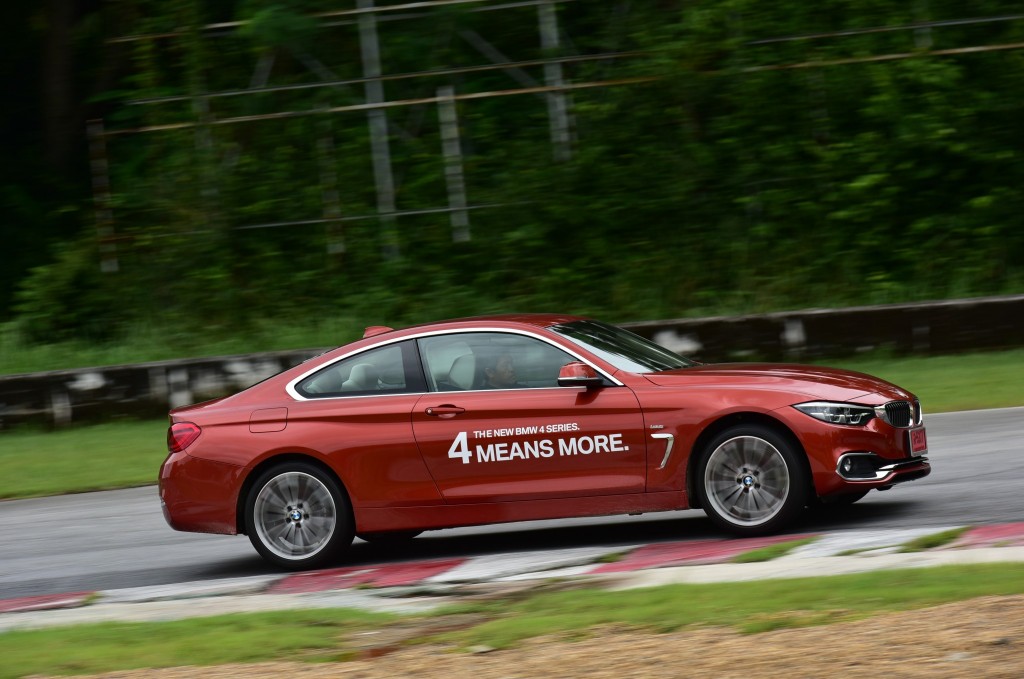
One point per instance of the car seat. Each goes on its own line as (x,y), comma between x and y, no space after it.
(463,372)
(363,377)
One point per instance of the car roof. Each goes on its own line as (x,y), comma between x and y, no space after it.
(536,320)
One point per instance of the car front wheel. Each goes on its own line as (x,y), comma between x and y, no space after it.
(297,516)
(751,480)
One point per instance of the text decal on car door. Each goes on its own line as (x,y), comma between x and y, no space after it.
(506,451)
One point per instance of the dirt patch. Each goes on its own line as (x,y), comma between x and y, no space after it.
(977,638)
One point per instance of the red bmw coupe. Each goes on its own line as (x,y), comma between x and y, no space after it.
(523,417)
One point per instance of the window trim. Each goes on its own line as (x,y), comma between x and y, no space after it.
(475,331)
(411,368)
(290,388)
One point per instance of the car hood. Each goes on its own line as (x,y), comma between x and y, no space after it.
(811,381)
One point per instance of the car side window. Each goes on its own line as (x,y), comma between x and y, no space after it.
(490,360)
(392,369)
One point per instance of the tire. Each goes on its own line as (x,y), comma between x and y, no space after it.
(298,517)
(751,480)
(388,538)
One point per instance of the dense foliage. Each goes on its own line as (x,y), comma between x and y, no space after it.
(713,186)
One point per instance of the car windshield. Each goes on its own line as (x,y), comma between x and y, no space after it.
(621,348)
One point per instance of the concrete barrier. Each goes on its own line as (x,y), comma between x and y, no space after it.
(61,397)
(948,327)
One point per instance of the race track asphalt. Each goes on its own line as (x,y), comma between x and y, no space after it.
(118,539)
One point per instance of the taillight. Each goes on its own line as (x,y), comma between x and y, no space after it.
(180,436)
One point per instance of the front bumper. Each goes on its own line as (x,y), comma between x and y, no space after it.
(866,467)
(881,452)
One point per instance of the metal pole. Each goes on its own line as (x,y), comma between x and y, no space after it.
(101,197)
(494,54)
(923,36)
(453,172)
(207,161)
(378,121)
(333,225)
(558,108)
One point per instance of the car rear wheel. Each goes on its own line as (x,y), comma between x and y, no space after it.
(297,516)
(751,480)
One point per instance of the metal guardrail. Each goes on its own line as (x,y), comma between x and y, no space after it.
(62,397)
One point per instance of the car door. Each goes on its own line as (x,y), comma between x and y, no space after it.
(488,435)
(355,413)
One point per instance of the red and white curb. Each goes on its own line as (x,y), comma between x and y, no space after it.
(875,541)
(411,585)
(497,567)
(998,535)
(391,575)
(45,602)
(692,552)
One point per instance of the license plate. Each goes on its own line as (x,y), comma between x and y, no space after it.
(918,443)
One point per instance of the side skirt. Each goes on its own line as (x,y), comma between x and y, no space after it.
(371,519)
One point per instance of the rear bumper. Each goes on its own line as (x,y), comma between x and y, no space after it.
(199,496)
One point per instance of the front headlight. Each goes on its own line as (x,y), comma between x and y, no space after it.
(837,413)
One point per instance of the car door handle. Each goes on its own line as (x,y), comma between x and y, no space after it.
(444,411)
(669,440)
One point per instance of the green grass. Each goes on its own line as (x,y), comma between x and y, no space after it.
(317,636)
(747,606)
(98,457)
(772,551)
(926,542)
(89,649)
(946,383)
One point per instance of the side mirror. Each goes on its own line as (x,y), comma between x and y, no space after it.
(578,374)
